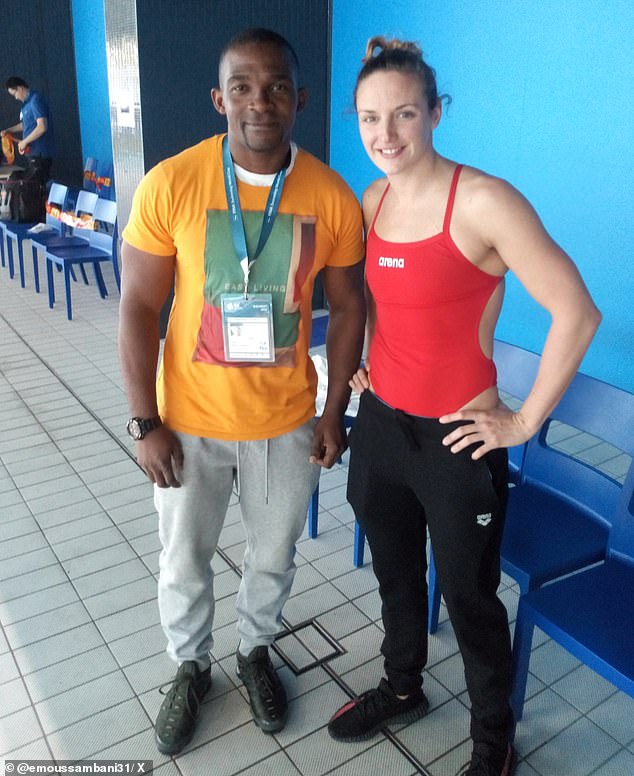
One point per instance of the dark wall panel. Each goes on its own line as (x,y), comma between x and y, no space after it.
(37,44)
(178,64)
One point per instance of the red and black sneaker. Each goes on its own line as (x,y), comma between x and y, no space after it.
(363,717)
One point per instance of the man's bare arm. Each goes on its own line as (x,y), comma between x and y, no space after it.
(145,283)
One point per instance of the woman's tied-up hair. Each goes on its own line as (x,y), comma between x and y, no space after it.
(403,56)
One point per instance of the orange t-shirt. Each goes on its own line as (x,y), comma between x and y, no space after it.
(180,209)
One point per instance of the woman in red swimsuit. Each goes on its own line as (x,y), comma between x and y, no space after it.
(428,449)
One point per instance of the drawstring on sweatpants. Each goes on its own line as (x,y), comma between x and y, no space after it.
(266,471)
(237,480)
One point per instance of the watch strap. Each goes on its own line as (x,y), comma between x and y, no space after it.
(149,424)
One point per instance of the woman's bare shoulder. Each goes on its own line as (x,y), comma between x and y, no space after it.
(374,192)
(484,189)
(371,198)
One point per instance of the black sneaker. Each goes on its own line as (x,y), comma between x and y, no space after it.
(176,720)
(266,693)
(486,761)
(363,717)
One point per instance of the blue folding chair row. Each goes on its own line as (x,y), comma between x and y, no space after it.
(92,240)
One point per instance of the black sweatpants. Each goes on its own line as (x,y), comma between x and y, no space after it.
(401,480)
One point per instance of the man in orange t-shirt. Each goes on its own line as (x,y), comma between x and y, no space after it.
(243,222)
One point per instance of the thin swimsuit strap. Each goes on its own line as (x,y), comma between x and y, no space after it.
(451,198)
(378,209)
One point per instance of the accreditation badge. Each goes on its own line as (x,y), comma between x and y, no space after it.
(247,327)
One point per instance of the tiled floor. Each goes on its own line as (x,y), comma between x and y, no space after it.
(81,650)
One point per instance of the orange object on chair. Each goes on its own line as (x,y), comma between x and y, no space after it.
(7,148)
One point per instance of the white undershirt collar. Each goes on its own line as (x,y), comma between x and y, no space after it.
(263,179)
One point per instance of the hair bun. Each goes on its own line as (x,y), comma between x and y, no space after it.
(390,44)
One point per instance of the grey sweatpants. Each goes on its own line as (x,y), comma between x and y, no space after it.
(275,482)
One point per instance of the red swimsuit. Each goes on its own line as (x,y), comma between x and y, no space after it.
(425,355)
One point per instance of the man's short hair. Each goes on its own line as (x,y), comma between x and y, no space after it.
(261,35)
(14,82)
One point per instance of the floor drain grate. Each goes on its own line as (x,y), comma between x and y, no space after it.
(306,646)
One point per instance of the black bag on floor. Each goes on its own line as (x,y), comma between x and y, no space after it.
(27,197)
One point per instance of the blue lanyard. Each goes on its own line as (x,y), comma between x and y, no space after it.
(235,212)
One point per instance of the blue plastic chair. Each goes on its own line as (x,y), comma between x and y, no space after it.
(590,613)
(318,331)
(102,247)
(558,517)
(79,235)
(516,369)
(57,197)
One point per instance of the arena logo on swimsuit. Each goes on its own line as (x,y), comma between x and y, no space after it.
(388,261)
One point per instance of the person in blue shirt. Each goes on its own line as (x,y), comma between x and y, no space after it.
(36,126)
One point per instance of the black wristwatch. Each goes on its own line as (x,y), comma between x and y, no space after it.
(139,428)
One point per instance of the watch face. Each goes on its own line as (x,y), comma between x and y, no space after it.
(134,429)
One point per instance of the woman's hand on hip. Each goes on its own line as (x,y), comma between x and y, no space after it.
(360,380)
(489,429)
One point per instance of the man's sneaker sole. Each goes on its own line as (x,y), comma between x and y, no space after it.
(174,748)
(418,712)
(508,769)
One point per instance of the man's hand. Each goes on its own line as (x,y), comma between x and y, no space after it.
(160,455)
(329,441)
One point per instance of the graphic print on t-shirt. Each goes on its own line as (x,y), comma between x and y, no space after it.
(281,270)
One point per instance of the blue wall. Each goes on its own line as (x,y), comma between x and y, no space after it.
(92,79)
(543,97)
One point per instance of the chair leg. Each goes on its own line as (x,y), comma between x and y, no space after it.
(83,274)
(21,262)
(99,280)
(433,596)
(10,257)
(359,544)
(36,269)
(2,259)
(50,282)
(522,642)
(72,272)
(313,514)
(69,307)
